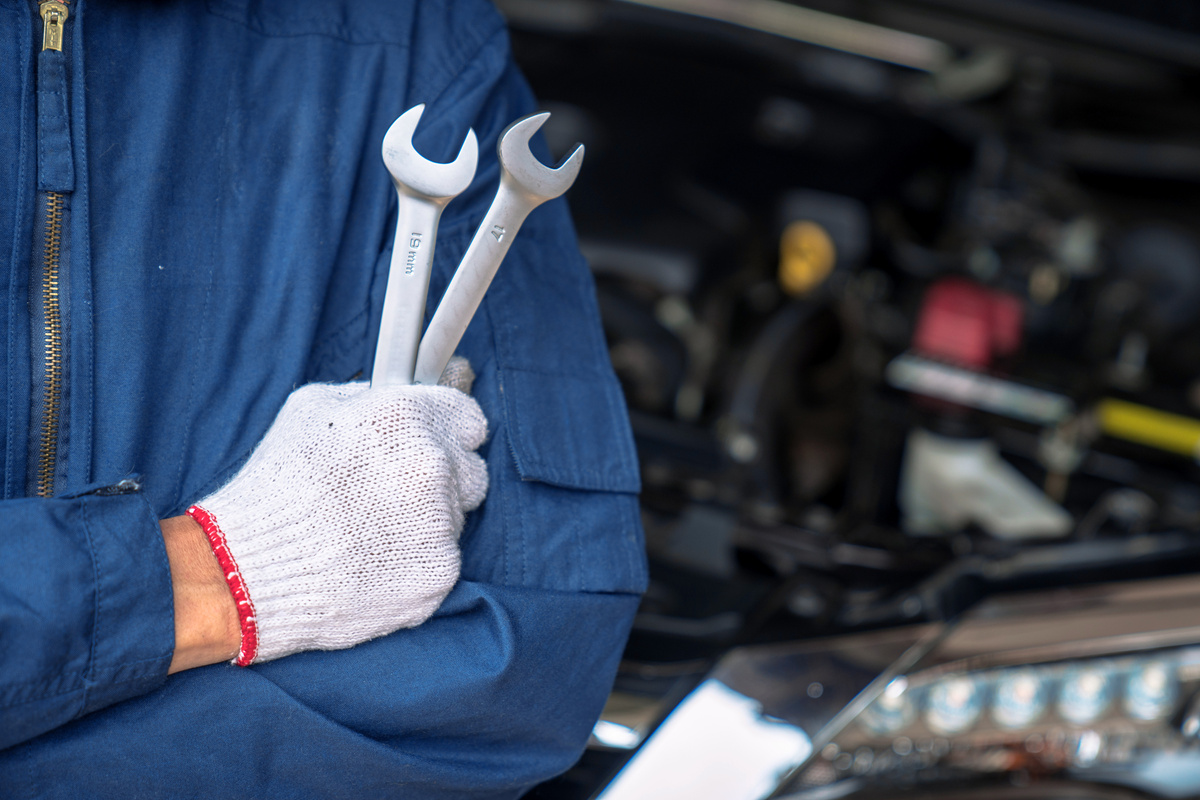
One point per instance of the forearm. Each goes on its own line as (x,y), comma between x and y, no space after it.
(206,621)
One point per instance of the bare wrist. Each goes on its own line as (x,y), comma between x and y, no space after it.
(206,622)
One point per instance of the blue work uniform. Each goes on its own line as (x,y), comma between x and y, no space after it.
(194,220)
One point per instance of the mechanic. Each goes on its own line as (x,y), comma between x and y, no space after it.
(195,222)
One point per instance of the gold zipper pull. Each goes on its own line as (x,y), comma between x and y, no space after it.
(54,14)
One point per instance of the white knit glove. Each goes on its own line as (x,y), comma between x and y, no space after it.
(343,525)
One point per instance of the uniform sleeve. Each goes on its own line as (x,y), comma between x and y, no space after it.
(86,613)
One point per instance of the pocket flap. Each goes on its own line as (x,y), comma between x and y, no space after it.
(570,430)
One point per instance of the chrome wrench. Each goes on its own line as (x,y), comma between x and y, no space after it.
(423,188)
(525,183)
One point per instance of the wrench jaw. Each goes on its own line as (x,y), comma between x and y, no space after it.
(525,183)
(416,175)
(526,174)
(424,188)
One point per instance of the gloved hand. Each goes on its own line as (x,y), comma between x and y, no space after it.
(344,523)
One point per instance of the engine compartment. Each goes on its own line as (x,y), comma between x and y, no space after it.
(905,319)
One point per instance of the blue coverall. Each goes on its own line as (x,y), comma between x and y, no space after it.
(213,174)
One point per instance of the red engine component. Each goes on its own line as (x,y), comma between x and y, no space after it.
(966,324)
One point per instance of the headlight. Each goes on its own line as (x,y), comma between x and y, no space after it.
(1086,693)
(1079,714)
(1020,698)
(1086,686)
(954,704)
(1151,690)
(891,711)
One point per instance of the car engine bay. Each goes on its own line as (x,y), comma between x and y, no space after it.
(902,298)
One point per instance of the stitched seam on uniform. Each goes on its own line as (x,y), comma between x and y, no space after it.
(600,373)
(578,569)
(618,420)
(511,491)
(124,664)
(247,618)
(62,106)
(89,676)
(141,678)
(81,256)
(629,532)
(51,693)
(31,761)
(11,690)
(23,203)
(523,532)
(569,478)
(517,490)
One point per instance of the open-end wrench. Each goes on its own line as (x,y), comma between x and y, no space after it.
(525,183)
(424,188)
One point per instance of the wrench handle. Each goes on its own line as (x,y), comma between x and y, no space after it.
(471,281)
(408,282)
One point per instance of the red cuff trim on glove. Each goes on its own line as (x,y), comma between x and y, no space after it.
(233,576)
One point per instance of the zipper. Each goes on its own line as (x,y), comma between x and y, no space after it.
(55,182)
(53,344)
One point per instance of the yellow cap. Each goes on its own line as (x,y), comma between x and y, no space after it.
(806,257)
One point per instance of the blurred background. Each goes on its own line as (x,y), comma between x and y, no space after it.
(902,295)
